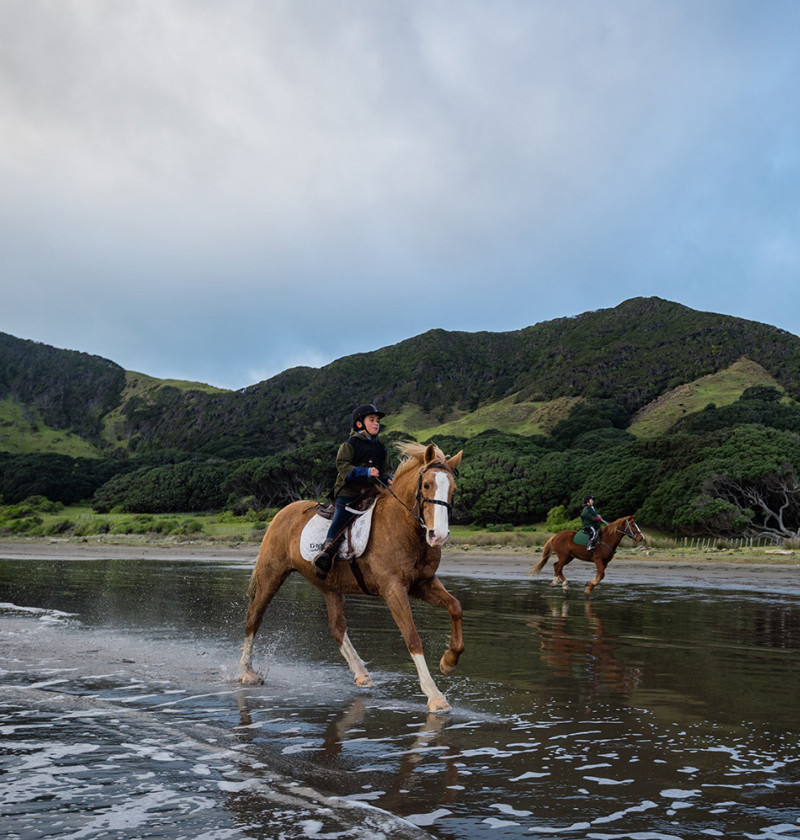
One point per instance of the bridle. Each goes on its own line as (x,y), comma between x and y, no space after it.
(631,529)
(419,498)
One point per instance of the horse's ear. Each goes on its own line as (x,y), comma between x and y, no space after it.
(453,462)
(430,454)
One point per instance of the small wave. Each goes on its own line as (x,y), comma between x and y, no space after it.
(6,607)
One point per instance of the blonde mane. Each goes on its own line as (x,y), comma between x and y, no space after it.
(413,455)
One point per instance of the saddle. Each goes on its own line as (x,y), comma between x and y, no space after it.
(358,505)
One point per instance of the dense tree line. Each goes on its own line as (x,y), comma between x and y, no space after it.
(705,477)
(56,477)
(174,488)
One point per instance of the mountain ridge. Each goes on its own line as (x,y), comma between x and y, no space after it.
(631,354)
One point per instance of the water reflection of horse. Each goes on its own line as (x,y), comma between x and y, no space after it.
(571,650)
(427,770)
(564,547)
(410,523)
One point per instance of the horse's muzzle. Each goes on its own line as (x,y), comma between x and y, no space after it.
(436,538)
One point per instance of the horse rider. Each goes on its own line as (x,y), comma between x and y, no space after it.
(362,460)
(590,519)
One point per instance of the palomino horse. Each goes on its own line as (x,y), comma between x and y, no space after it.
(410,523)
(565,549)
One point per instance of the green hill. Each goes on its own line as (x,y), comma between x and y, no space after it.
(638,355)
(688,418)
(721,388)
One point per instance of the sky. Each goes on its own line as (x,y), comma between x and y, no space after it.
(220,190)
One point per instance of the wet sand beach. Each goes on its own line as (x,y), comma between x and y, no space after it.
(767,568)
(124,717)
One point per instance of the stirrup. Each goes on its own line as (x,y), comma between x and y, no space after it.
(323,562)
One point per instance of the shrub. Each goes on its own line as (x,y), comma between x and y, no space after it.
(62,526)
(557,520)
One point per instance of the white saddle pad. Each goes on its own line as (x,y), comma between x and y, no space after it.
(313,536)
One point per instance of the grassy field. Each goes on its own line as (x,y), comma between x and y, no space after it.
(80,523)
(22,430)
(509,414)
(721,388)
(53,520)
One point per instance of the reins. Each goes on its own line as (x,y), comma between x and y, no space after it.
(626,531)
(419,501)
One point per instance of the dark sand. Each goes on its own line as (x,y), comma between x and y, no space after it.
(767,570)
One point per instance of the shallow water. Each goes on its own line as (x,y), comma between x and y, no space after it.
(649,711)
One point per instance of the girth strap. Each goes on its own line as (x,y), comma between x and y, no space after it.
(356,570)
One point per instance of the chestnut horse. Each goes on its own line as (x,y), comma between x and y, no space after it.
(410,523)
(565,549)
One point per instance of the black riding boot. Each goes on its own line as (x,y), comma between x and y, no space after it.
(323,562)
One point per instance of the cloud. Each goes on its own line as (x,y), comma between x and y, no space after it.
(215,189)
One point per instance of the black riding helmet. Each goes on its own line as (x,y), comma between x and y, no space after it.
(587,499)
(364,411)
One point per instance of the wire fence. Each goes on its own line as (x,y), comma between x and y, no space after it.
(708,543)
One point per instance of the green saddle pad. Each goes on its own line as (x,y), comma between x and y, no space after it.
(581,538)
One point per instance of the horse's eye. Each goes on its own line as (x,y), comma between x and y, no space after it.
(426,486)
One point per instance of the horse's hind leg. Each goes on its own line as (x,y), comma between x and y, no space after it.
(263,586)
(433,592)
(397,601)
(558,572)
(335,604)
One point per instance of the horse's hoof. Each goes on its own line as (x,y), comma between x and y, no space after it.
(447,664)
(251,678)
(364,681)
(439,706)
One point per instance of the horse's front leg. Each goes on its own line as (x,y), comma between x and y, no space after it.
(433,592)
(336,621)
(400,608)
(600,566)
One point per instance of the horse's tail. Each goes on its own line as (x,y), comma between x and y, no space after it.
(251,588)
(547,549)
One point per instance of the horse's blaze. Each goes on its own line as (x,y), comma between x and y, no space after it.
(440,532)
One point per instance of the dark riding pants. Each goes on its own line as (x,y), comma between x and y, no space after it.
(341,517)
